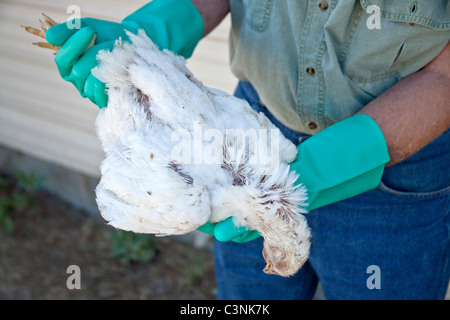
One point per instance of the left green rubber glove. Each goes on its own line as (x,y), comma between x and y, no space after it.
(226,231)
(171,24)
(342,161)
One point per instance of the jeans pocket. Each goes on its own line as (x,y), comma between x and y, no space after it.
(424,174)
(411,194)
(258,13)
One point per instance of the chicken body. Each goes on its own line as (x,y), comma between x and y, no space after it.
(179,154)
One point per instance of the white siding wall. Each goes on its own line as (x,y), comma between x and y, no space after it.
(44,116)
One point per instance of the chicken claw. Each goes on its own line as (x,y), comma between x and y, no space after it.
(46,24)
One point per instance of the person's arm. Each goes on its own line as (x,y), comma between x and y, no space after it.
(212,12)
(415,110)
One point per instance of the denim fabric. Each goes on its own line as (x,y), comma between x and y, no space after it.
(402,228)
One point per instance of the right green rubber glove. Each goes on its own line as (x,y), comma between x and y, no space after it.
(171,24)
(342,161)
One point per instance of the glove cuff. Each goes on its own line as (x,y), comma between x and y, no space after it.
(341,161)
(171,24)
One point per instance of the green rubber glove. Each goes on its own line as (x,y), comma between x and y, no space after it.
(226,231)
(342,161)
(171,24)
(75,61)
(337,163)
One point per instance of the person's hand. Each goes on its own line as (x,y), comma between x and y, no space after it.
(341,161)
(226,231)
(77,55)
(171,24)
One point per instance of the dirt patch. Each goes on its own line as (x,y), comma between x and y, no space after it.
(52,235)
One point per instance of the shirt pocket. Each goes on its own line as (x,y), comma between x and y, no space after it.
(410,33)
(258,13)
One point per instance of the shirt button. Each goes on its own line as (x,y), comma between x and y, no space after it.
(310,71)
(312,125)
(323,5)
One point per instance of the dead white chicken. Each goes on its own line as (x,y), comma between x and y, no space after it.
(176,157)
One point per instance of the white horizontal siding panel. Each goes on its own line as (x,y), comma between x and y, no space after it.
(44,116)
(114,10)
(52,139)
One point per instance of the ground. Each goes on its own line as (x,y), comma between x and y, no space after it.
(49,235)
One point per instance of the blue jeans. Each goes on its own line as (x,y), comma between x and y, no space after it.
(389,243)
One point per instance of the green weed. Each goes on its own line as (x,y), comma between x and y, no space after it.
(17,195)
(132,247)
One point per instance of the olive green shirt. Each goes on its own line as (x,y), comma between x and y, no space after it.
(314,63)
